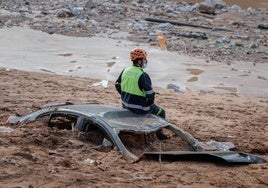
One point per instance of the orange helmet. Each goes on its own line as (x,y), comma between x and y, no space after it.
(137,53)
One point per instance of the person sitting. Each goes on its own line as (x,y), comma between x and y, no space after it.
(135,87)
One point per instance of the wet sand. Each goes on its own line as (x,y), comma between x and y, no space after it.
(33,155)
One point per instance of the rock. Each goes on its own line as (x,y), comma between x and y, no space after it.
(236,8)
(119,1)
(2,24)
(225,39)
(251,11)
(89,17)
(82,24)
(253,45)
(90,4)
(192,8)
(212,7)
(263,26)
(19,2)
(218,4)
(140,1)
(206,8)
(259,31)
(64,14)
(139,26)
(175,88)
(237,43)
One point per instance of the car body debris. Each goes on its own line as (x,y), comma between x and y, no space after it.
(133,134)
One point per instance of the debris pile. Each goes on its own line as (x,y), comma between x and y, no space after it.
(242,37)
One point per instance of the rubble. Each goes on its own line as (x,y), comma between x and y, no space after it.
(90,18)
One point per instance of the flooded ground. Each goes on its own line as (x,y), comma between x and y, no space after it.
(36,156)
(242,3)
(89,57)
(96,44)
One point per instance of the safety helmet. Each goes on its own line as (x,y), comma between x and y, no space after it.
(137,53)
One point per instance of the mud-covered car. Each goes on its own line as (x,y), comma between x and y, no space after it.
(135,135)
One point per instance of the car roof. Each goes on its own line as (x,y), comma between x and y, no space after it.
(117,117)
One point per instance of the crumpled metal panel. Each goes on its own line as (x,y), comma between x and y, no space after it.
(229,157)
(113,119)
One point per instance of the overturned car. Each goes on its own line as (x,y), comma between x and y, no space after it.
(135,135)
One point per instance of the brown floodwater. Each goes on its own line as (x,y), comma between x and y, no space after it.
(263,4)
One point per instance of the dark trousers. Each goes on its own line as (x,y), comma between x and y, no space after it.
(157,110)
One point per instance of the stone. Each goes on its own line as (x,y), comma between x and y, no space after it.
(238,43)
(139,26)
(90,17)
(64,14)
(206,8)
(19,2)
(263,26)
(218,4)
(175,88)
(236,8)
(254,45)
(252,11)
(193,7)
(90,4)
(2,24)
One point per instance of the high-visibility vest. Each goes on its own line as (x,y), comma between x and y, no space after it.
(130,81)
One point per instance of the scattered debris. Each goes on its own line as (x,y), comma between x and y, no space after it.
(175,88)
(263,26)
(5,129)
(208,20)
(187,24)
(103,83)
(135,135)
(90,161)
(223,146)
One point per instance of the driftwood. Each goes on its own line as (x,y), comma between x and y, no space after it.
(186,24)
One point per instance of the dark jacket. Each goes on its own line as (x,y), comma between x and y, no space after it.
(135,101)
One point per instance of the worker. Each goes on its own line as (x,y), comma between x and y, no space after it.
(135,87)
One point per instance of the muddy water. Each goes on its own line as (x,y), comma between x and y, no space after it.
(104,59)
(242,3)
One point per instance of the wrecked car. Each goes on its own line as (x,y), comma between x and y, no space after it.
(132,134)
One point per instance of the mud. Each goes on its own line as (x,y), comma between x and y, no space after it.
(34,155)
